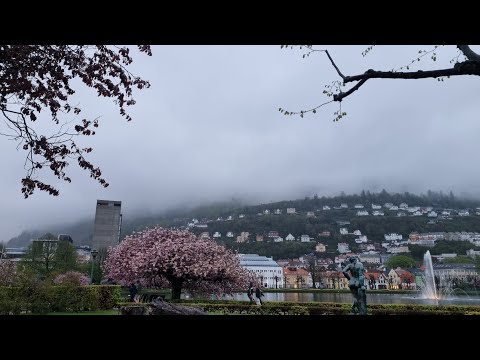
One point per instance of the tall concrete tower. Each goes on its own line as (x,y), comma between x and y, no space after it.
(108,222)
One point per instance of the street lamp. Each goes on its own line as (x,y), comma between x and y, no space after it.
(93,254)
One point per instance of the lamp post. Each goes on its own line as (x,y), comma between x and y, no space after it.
(93,254)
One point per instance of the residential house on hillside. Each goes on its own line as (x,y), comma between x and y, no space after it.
(243,237)
(320,248)
(273,234)
(304,238)
(290,237)
(291,211)
(343,248)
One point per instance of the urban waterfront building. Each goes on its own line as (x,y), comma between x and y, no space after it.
(267,270)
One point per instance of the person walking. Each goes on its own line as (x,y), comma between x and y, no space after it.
(259,294)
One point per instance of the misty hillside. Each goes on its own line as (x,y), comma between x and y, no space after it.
(82,231)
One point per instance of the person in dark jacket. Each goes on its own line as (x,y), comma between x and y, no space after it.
(250,294)
(133,291)
(259,294)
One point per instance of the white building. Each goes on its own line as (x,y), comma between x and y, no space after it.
(362,213)
(229,234)
(392,237)
(343,231)
(290,210)
(266,269)
(304,238)
(326,207)
(343,248)
(217,234)
(290,237)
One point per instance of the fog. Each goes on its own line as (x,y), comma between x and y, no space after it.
(209,129)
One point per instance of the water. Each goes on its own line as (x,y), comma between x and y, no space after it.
(372,298)
(429,291)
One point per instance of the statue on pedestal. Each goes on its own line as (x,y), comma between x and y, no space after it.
(353,270)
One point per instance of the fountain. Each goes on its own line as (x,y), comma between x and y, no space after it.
(429,290)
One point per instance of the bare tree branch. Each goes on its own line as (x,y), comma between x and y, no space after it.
(469,53)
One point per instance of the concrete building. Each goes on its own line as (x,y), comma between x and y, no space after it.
(108,222)
(266,269)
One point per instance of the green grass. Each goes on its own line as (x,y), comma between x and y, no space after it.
(98,312)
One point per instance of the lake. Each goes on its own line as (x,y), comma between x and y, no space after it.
(372,298)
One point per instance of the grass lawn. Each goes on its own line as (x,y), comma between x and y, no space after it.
(98,312)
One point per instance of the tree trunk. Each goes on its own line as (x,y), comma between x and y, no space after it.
(176,288)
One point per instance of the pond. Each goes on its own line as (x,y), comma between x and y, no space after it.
(372,298)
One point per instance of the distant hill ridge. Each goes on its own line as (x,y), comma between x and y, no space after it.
(82,231)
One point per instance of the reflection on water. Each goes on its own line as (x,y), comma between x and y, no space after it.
(372,298)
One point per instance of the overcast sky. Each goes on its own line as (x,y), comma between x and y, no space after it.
(209,128)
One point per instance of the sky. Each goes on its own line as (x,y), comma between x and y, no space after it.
(209,129)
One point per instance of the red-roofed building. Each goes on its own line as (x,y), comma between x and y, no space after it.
(296,278)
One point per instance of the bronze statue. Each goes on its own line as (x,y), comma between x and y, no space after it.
(353,270)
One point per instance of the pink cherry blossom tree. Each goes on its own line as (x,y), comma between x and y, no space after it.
(71,278)
(161,257)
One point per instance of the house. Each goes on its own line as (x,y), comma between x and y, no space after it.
(304,238)
(219,218)
(357,232)
(343,248)
(266,212)
(362,213)
(324,234)
(376,207)
(310,214)
(296,278)
(258,238)
(375,280)
(290,237)
(361,239)
(229,218)
(273,234)
(277,212)
(321,247)
(241,216)
(343,206)
(229,234)
(204,235)
(343,231)
(291,211)
(334,280)
(358,206)
(243,237)
(217,234)
(278,239)
(378,213)
(370,258)
(392,237)
(401,279)
(326,207)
